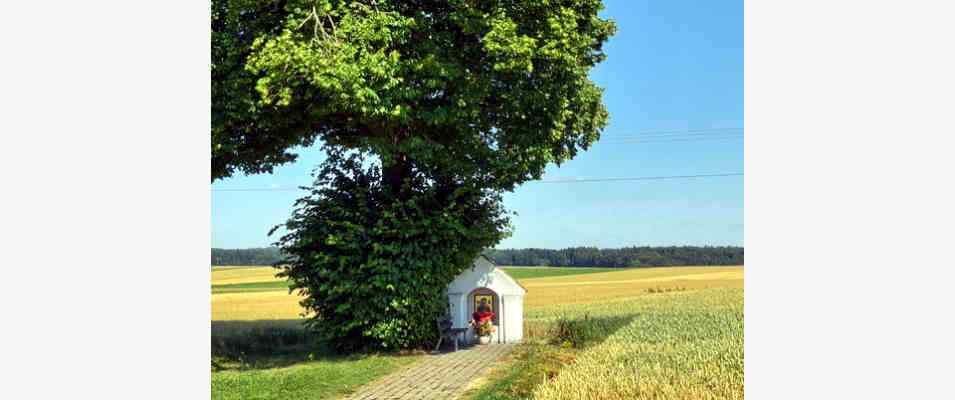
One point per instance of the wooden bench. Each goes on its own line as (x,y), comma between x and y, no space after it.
(446,331)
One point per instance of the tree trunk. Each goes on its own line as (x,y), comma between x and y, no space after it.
(395,174)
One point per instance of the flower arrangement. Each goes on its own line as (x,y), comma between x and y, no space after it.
(482,323)
(485,328)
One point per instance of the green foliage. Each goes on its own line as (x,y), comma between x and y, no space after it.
(591,258)
(374,268)
(492,90)
(456,102)
(247,136)
(254,256)
(484,329)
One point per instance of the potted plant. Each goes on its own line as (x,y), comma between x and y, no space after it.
(483,328)
(484,331)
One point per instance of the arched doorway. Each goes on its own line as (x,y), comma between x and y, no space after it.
(490,299)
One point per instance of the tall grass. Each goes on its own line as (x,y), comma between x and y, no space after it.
(580,332)
(262,344)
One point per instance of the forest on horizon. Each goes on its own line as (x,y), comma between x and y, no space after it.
(643,256)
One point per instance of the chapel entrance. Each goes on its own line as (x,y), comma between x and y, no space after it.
(482,299)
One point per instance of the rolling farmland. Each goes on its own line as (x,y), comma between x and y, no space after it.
(680,332)
(255,294)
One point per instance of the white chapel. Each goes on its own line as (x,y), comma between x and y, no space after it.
(485,281)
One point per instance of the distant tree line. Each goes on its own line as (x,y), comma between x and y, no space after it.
(619,258)
(257,256)
(569,257)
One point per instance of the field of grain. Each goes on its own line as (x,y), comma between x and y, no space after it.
(545,272)
(234,275)
(601,287)
(255,294)
(677,345)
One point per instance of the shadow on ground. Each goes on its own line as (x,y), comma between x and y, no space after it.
(548,346)
(263,344)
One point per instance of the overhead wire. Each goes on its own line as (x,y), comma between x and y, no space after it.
(561,180)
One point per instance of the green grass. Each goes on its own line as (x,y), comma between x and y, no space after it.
(279,359)
(530,365)
(262,344)
(543,272)
(250,287)
(321,379)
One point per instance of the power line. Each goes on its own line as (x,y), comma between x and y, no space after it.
(655,137)
(673,132)
(564,180)
(673,139)
(639,178)
(278,189)
(674,135)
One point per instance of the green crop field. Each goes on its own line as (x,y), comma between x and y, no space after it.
(665,333)
(249,287)
(544,272)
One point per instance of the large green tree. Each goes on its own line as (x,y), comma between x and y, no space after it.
(448,103)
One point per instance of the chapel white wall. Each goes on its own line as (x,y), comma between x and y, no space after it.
(514,318)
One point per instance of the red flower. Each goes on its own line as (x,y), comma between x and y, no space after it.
(482,317)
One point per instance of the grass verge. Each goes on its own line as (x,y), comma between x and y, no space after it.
(320,379)
(548,347)
(528,366)
(279,359)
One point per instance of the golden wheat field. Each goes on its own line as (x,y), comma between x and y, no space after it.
(234,275)
(266,299)
(675,345)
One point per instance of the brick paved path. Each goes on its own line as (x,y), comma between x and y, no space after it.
(441,376)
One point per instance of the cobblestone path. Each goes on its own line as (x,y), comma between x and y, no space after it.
(442,376)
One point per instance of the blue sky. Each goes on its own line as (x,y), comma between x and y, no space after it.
(673,85)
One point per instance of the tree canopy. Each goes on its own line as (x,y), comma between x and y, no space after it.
(428,111)
(492,90)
